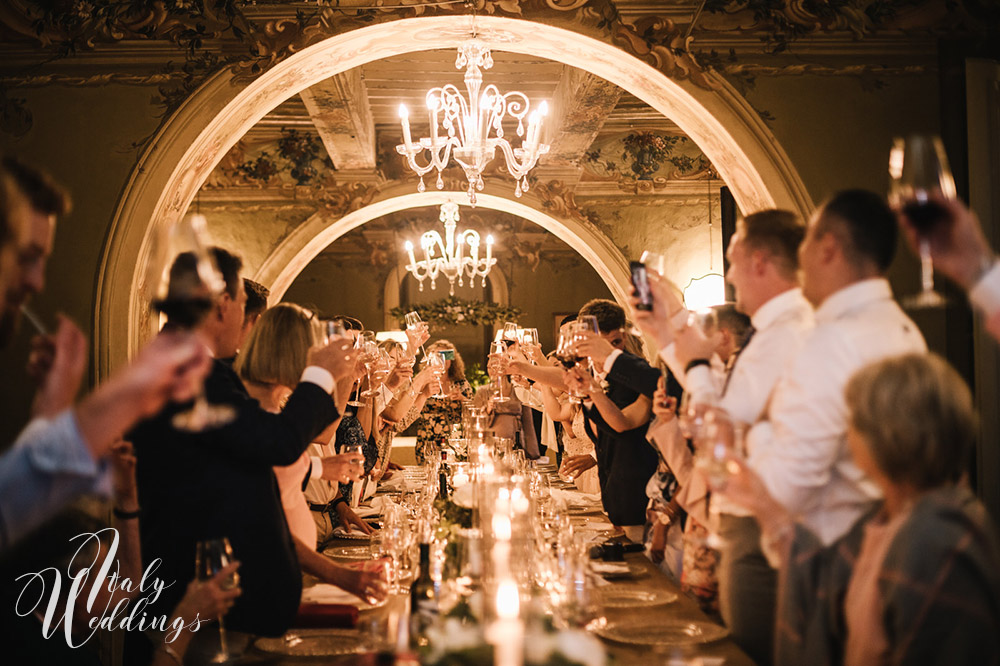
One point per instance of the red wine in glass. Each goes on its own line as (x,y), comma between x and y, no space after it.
(924,215)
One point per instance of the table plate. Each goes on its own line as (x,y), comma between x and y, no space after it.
(313,643)
(616,570)
(324,593)
(622,596)
(349,552)
(353,535)
(662,632)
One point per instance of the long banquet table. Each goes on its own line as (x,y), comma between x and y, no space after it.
(723,651)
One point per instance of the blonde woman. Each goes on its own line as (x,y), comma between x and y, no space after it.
(270,364)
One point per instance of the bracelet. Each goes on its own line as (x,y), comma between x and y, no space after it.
(695,363)
(125,515)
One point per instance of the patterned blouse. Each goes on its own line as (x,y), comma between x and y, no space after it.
(436,419)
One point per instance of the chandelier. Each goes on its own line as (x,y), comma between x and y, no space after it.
(448,257)
(473,127)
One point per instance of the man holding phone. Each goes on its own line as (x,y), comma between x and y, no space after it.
(763,269)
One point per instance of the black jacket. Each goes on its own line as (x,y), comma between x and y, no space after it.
(625,460)
(219,483)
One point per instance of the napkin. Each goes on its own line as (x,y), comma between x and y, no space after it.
(353,533)
(367,511)
(324,593)
(326,616)
(575,497)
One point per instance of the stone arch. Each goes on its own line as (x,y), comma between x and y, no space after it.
(196,137)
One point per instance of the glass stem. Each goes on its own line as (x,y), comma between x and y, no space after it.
(223,643)
(926,266)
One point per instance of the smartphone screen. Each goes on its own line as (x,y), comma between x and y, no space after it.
(641,283)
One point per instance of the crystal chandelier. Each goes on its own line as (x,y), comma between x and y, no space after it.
(447,256)
(473,127)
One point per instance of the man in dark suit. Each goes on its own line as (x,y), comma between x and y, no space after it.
(625,460)
(219,483)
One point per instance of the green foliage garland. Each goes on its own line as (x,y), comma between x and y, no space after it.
(453,311)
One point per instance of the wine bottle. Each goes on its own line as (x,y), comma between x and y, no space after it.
(423,600)
(443,478)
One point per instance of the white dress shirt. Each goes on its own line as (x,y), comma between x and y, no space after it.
(782,325)
(801,451)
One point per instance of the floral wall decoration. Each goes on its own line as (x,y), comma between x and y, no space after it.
(298,155)
(648,156)
(453,311)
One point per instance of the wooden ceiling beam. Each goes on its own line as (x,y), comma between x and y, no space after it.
(581,104)
(340,110)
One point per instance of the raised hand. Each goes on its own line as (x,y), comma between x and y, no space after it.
(57,362)
(594,347)
(667,302)
(573,466)
(339,357)
(343,467)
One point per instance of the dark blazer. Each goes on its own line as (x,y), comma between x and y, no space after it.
(625,460)
(635,373)
(219,483)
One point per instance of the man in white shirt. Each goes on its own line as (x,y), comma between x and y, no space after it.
(801,451)
(763,269)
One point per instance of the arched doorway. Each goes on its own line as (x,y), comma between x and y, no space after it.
(195,138)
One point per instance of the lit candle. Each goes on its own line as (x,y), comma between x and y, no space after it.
(432,112)
(508,632)
(404,117)
(409,251)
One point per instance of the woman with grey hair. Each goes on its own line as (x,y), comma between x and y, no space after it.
(917,578)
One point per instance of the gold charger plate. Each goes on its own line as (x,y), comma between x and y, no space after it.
(662,632)
(313,643)
(349,552)
(627,596)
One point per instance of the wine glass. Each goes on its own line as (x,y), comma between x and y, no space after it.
(715,445)
(586,323)
(436,362)
(654,261)
(509,336)
(566,354)
(529,340)
(498,348)
(918,168)
(691,416)
(334,330)
(370,355)
(187,290)
(211,556)
(413,322)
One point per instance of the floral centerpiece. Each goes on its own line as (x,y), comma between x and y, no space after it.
(454,311)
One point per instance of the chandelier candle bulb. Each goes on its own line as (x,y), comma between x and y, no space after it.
(404,117)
